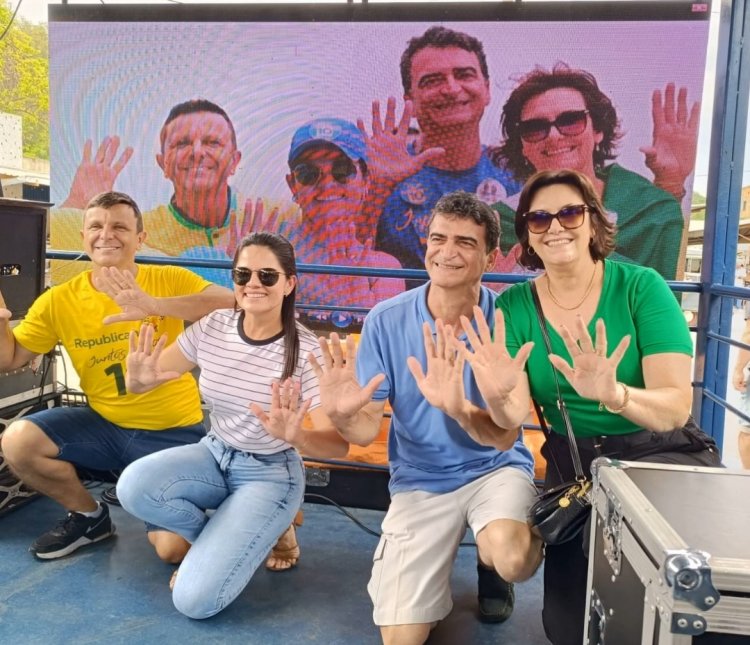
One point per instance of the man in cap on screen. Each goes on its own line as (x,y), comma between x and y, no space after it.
(328,177)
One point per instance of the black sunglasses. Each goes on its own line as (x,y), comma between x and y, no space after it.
(268,277)
(342,170)
(570,217)
(569,124)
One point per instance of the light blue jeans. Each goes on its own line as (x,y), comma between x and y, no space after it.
(255,497)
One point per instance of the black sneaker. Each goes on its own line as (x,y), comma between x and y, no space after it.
(496,596)
(71,533)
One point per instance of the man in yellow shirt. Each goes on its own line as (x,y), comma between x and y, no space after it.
(92,315)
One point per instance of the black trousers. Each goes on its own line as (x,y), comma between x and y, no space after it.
(566,565)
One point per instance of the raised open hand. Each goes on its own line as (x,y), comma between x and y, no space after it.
(143,373)
(97,174)
(252,220)
(284,419)
(341,395)
(121,286)
(443,382)
(593,374)
(495,371)
(388,158)
(671,156)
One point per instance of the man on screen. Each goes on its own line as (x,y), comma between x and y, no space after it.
(329,179)
(446,86)
(205,216)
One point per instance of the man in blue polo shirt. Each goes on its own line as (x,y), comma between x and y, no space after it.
(450,464)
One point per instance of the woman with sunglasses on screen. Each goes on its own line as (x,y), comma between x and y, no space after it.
(622,351)
(259,387)
(561,119)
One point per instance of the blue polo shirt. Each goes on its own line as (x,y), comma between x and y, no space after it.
(402,227)
(427,449)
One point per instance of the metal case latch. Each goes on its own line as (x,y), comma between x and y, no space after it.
(688,573)
(612,534)
(690,624)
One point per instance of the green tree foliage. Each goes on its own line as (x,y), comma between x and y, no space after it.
(698,207)
(24,80)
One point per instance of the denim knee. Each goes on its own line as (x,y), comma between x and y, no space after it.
(133,488)
(194,602)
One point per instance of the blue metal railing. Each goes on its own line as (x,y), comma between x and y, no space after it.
(717,291)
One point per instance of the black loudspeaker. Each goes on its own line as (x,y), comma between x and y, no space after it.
(23,236)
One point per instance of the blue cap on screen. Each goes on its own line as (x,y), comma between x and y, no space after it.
(337,132)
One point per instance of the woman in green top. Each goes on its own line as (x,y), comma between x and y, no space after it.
(621,344)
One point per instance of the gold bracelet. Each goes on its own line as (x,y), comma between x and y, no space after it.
(625,401)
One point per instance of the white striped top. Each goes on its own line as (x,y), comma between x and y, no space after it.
(236,371)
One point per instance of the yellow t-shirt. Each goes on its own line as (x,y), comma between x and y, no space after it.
(72,314)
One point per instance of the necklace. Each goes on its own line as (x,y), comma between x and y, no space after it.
(585,295)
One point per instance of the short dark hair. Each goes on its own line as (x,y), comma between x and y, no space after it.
(112,198)
(603,242)
(440,37)
(284,252)
(463,205)
(190,107)
(603,115)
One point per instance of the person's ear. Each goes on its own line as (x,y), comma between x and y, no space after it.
(160,162)
(491,259)
(236,157)
(291,283)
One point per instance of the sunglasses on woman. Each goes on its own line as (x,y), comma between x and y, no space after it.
(268,277)
(342,170)
(570,217)
(569,124)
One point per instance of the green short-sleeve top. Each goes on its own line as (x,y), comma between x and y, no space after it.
(635,300)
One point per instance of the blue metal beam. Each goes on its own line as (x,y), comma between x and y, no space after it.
(722,211)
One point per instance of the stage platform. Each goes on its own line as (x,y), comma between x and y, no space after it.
(117,591)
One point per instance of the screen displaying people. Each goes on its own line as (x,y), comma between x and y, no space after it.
(439,107)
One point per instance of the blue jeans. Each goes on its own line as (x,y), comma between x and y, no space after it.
(255,497)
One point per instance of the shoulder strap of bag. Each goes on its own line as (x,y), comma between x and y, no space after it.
(560,402)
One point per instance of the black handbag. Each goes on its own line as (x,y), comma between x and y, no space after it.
(560,513)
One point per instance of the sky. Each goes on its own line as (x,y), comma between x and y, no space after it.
(36,11)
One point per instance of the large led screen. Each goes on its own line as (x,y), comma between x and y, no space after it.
(341,126)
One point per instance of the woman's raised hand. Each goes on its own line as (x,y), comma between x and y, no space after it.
(593,374)
(341,395)
(284,419)
(143,373)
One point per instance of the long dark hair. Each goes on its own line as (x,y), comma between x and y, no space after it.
(284,252)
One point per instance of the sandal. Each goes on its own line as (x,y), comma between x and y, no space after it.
(285,552)
(173,579)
